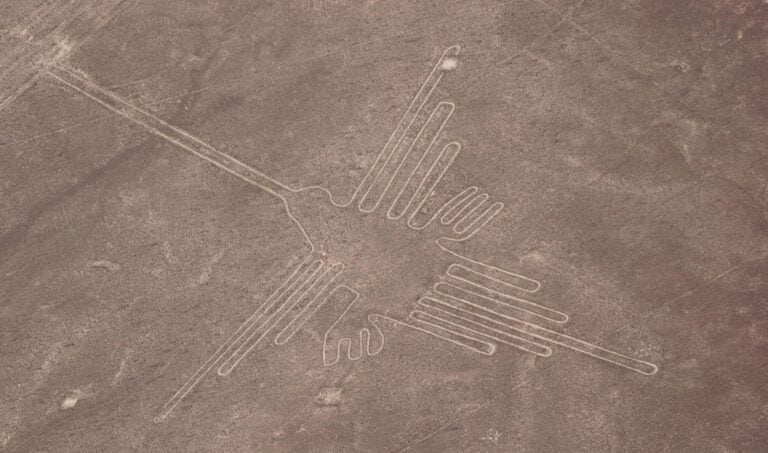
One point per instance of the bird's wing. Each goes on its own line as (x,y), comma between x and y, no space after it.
(476,306)
(285,311)
(401,181)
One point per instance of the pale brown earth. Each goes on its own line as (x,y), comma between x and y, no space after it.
(626,139)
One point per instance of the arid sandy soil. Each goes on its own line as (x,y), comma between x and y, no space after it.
(337,226)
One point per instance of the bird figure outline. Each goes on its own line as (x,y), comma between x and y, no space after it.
(471,304)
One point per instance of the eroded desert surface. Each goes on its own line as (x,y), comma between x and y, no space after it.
(383,226)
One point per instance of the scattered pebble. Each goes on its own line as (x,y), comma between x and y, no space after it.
(69,402)
(492,436)
(449,63)
(205,277)
(76,395)
(328,396)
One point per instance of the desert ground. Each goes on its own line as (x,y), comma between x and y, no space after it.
(384,226)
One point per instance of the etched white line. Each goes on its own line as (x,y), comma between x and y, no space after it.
(499,289)
(201,372)
(435,175)
(553,337)
(478,329)
(444,109)
(501,305)
(420,99)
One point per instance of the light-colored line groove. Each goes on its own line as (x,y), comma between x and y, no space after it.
(480,221)
(466,275)
(180,138)
(63,30)
(434,329)
(506,307)
(169,132)
(478,206)
(417,140)
(454,206)
(347,297)
(408,116)
(297,286)
(212,361)
(391,153)
(435,175)
(508,278)
(480,330)
(252,337)
(468,210)
(404,199)
(309,309)
(550,336)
